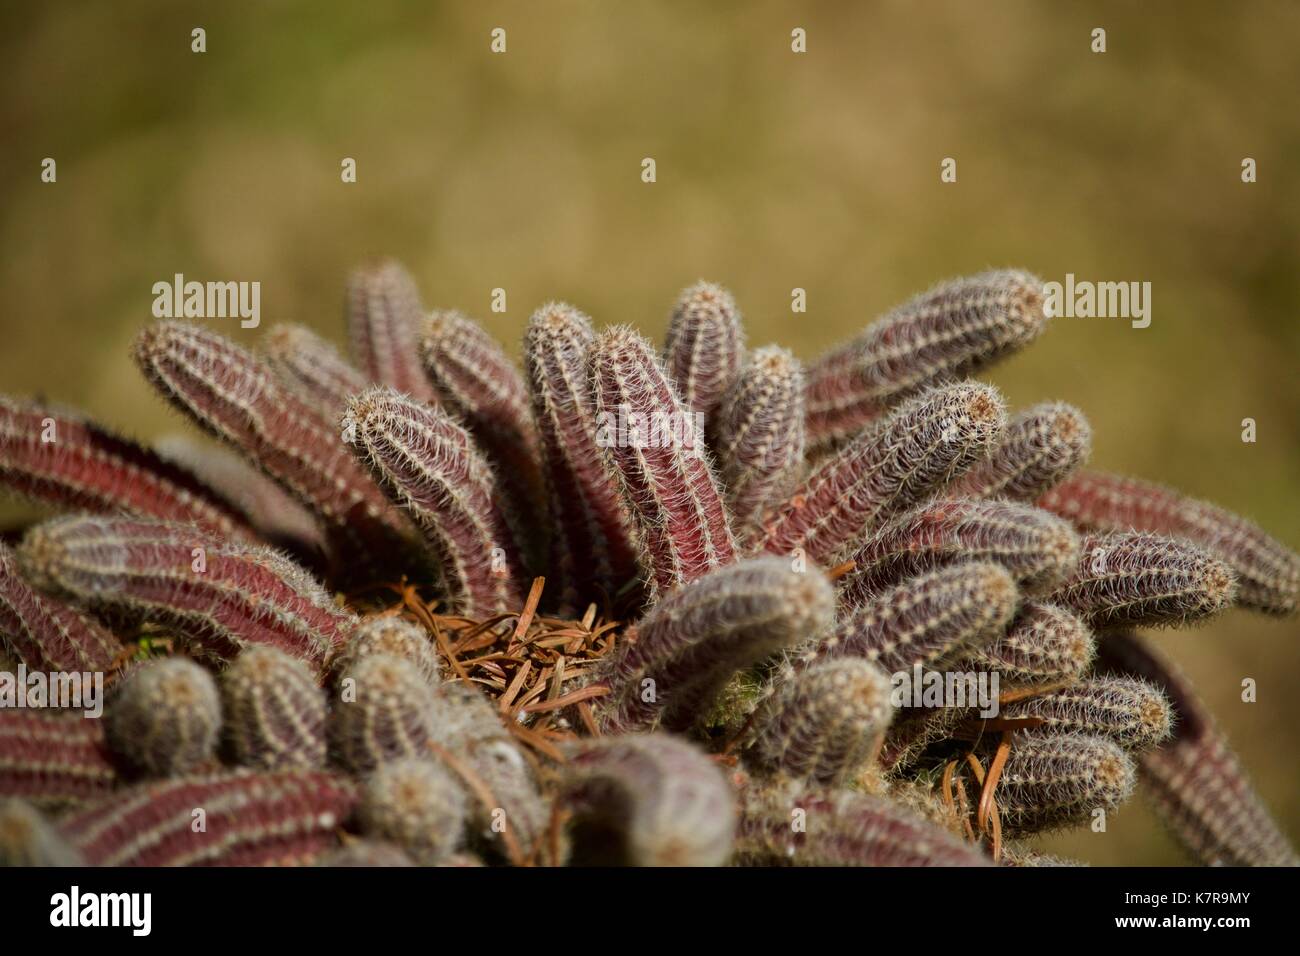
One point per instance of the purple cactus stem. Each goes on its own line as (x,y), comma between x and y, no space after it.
(654,449)
(704,347)
(384,316)
(222,595)
(955,329)
(924,444)
(1268,572)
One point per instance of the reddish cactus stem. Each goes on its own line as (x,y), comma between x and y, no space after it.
(1042,447)
(1198,786)
(760,436)
(697,637)
(927,620)
(654,449)
(842,828)
(1039,550)
(249,819)
(237,398)
(479,382)
(1268,572)
(705,346)
(46,634)
(54,759)
(1144,580)
(924,444)
(595,547)
(384,316)
(148,570)
(649,800)
(1044,644)
(312,368)
(64,460)
(955,329)
(430,465)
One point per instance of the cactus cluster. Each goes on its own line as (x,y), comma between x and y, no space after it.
(619,604)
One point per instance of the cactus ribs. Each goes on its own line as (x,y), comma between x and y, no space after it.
(421,610)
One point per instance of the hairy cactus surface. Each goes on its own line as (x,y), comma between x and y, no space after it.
(705,346)
(1268,573)
(647,801)
(223,595)
(43,632)
(594,548)
(384,315)
(953,330)
(912,453)
(695,638)
(236,397)
(165,720)
(65,460)
(761,435)
(1132,578)
(430,466)
(274,711)
(692,607)
(654,450)
(54,759)
(236,818)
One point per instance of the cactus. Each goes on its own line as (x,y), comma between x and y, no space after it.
(909,455)
(237,398)
(1195,781)
(760,436)
(654,450)
(234,818)
(595,545)
(64,460)
(647,801)
(395,637)
(1132,713)
(165,719)
(704,347)
(383,712)
(28,839)
(43,632)
(312,368)
(875,514)
(1038,549)
(824,724)
(927,621)
(1268,572)
(696,637)
(480,384)
(274,711)
(955,329)
(224,596)
(785,826)
(1043,644)
(384,315)
(416,804)
(1052,781)
(1042,447)
(509,814)
(429,465)
(54,759)
(1132,578)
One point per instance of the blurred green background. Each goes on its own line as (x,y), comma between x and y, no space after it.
(775,171)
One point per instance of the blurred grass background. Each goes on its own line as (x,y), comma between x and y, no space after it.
(775,171)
